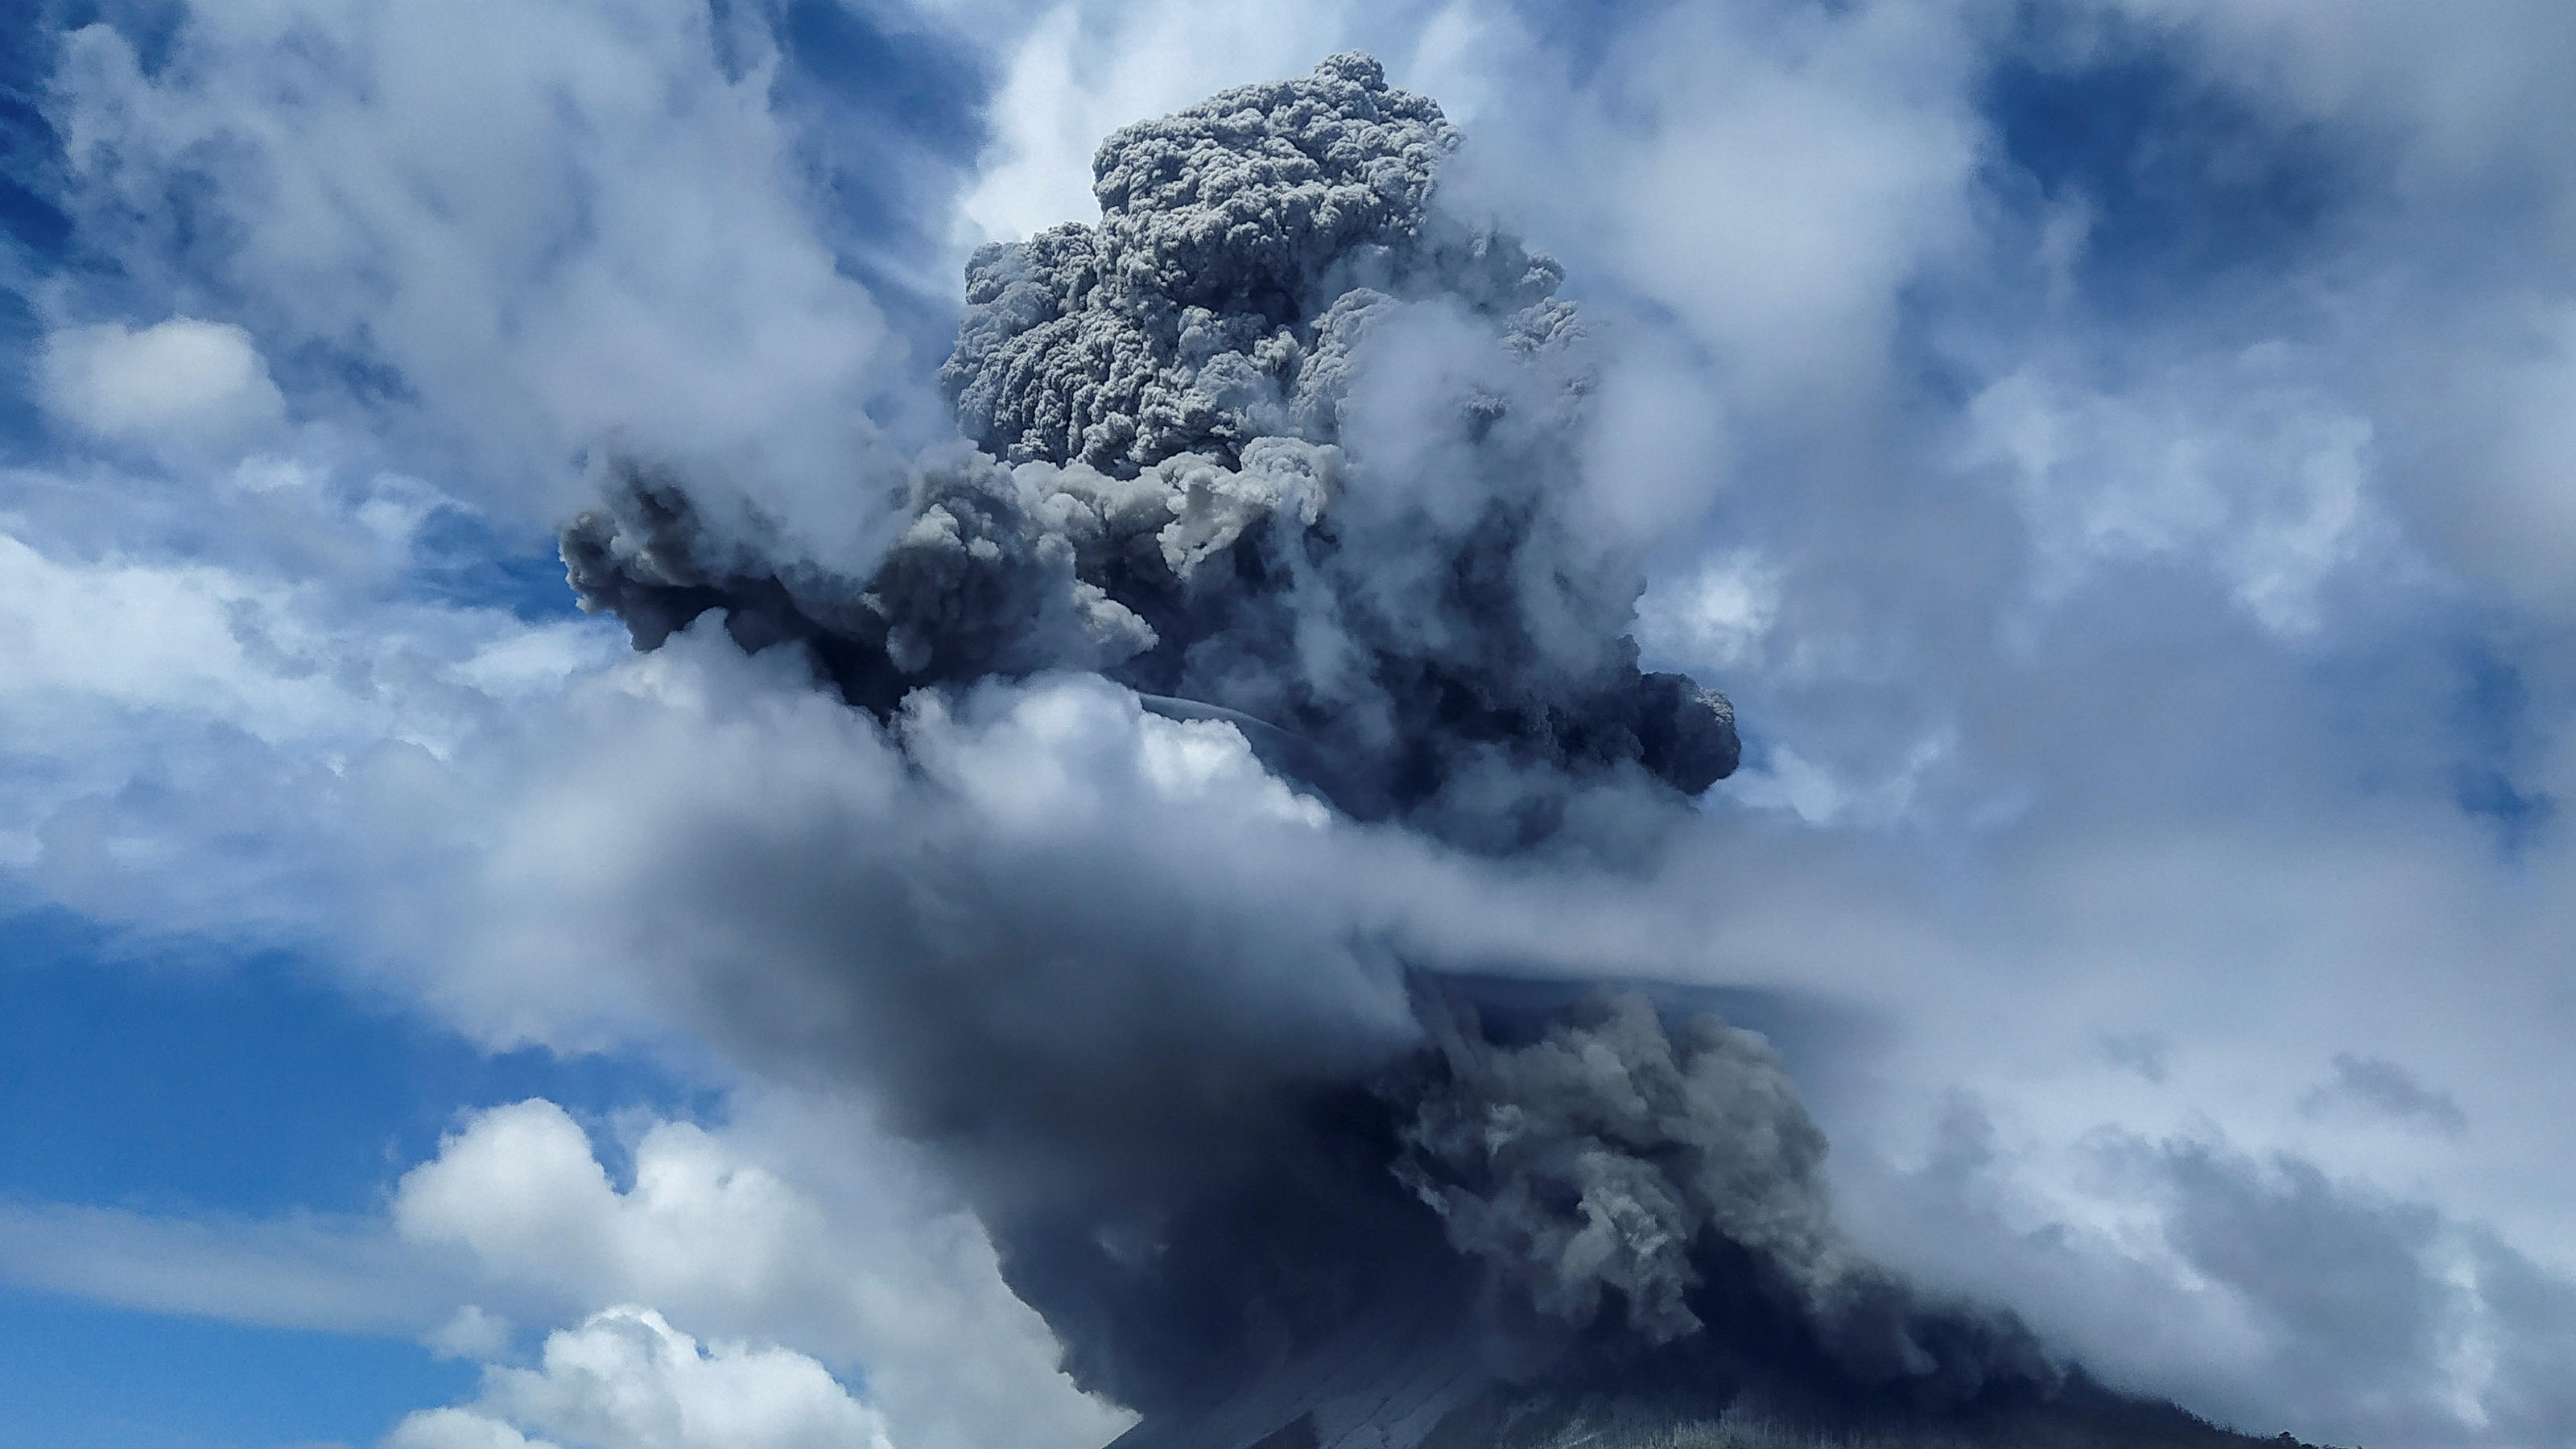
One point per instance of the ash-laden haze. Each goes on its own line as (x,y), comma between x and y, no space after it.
(1289,453)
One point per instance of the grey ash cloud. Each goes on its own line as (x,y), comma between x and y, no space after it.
(1178,480)
(1615,1166)
(1280,448)
(1243,246)
(1590,1161)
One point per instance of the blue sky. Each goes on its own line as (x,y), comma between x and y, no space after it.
(2116,453)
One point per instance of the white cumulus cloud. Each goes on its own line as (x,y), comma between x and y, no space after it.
(181,381)
(626,1379)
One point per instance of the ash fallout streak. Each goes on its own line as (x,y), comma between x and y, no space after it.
(1290,452)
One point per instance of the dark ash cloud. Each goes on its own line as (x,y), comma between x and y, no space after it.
(1289,457)
(1177,483)
(1615,1166)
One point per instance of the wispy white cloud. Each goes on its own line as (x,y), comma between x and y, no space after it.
(506,234)
(301,1272)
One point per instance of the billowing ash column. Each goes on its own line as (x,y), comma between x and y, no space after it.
(1280,441)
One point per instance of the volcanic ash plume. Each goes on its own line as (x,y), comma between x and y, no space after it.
(1589,1163)
(1615,1167)
(1180,481)
(1279,462)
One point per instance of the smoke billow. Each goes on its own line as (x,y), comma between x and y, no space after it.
(1612,1167)
(1288,454)
(1177,483)
(1590,1162)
